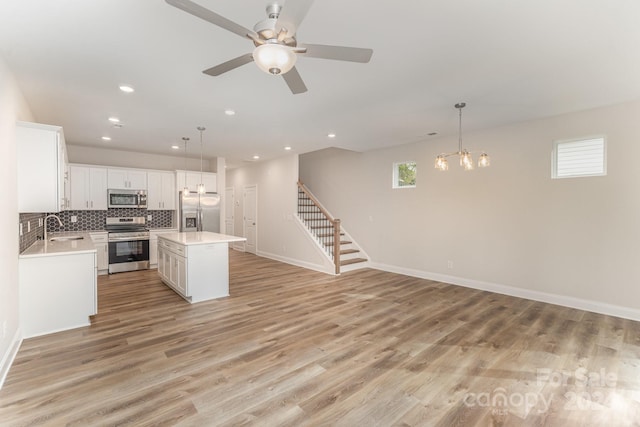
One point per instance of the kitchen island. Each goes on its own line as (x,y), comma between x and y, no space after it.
(196,264)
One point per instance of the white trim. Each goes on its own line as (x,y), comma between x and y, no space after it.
(10,356)
(563,300)
(298,263)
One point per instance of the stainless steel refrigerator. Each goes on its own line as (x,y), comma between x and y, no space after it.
(200,212)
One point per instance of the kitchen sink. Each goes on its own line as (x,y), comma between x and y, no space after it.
(65,238)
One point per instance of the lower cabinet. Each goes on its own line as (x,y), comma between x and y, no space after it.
(197,272)
(153,245)
(101,242)
(172,266)
(57,292)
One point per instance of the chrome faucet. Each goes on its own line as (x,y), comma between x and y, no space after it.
(45,224)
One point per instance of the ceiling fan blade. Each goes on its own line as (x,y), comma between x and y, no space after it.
(209,16)
(229,65)
(294,81)
(292,14)
(340,53)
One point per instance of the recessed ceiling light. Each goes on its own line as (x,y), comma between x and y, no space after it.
(175,147)
(114,120)
(256,157)
(287,148)
(331,135)
(229,112)
(106,138)
(126,88)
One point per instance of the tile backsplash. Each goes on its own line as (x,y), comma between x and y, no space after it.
(30,229)
(86,221)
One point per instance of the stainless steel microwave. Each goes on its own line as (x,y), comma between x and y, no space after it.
(127,198)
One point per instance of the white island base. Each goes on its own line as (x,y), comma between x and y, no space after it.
(195,264)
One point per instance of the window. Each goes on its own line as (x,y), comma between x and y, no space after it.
(579,157)
(404,175)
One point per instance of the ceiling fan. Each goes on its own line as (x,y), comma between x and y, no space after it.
(276,47)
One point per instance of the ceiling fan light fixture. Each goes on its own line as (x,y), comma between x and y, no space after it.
(274,58)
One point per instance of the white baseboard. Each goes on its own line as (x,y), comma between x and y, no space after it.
(9,357)
(296,262)
(563,300)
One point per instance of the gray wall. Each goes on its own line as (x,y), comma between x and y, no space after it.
(509,228)
(12,107)
(131,159)
(280,235)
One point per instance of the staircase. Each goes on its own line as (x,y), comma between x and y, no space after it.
(344,253)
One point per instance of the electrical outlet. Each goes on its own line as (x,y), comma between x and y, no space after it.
(149,217)
(450,264)
(39,222)
(74,218)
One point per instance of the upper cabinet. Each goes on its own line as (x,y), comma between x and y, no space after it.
(161,191)
(127,179)
(193,179)
(88,188)
(42,160)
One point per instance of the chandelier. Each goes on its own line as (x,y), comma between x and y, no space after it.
(466,160)
(185,190)
(200,188)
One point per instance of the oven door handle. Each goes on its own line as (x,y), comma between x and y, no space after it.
(126,239)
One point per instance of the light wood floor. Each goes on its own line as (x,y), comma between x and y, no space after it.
(295,347)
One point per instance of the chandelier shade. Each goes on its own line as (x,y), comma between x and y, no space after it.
(274,58)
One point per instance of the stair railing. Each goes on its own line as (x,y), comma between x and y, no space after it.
(322,220)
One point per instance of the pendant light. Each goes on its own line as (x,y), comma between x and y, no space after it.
(185,190)
(201,188)
(466,161)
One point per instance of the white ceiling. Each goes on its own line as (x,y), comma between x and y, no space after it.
(510,60)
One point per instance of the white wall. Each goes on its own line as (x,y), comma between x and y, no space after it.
(509,228)
(132,159)
(12,107)
(280,236)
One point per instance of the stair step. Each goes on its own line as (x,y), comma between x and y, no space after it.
(318,227)
(342,242)
(352,261)
(348,251)
(327,234)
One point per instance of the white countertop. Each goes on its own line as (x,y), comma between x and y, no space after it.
(61,247)
(200,238)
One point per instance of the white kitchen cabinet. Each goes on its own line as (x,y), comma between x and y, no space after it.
(101,242)
(129,179)
(41,158)
(195,264)
(57,292)
(161,191)
(209,179)
(153,245)
(88,188)
(172,266)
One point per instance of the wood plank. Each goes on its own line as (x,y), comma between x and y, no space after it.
(296,347)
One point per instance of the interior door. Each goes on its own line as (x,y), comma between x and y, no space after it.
(250,217)
(230,202)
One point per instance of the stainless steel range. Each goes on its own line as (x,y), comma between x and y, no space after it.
(128,244)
